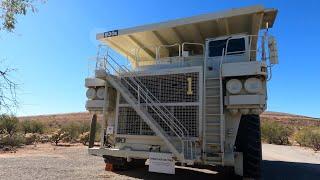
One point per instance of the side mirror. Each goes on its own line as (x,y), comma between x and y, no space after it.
(273,50)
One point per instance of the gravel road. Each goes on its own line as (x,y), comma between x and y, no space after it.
(50,162)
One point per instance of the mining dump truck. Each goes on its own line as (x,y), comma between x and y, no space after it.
(187,91)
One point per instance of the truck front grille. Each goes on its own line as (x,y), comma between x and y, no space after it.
(173,92)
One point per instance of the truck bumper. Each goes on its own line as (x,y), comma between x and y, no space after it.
(118,153)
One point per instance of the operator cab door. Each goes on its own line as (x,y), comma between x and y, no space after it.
(235,50)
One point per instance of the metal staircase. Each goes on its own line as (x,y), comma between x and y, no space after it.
(214,117)
(149,108)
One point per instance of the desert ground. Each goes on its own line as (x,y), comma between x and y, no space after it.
(59,162)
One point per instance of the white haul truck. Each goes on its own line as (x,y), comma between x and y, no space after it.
(191,93)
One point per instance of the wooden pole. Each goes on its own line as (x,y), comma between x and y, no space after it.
(93,130)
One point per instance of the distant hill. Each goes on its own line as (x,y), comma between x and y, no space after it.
(290,119)
(284,118)
(79,116)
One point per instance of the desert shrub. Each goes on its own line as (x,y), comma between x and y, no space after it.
(31,138)
(9,131)
(44,138)
(84,137)
(73,129)
(14,140)
(275,133)
(59,135)
(8,124)
(84,127)
(3,139)
(32,127)
(309,137)
(52,126)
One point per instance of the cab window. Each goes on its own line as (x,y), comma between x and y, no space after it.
(235,46)
(216,47)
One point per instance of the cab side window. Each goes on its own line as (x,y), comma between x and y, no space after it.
(216,47)
(235,46)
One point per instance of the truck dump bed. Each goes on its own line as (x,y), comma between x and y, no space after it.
(193,29)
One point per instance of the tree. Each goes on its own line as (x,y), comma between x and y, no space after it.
(8,88)
(9,10)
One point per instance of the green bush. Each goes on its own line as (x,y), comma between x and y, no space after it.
(74,129)
(14,140)
(8,124)
(309,137)
(84,127)
(275,133)
(52,126)
(31,138)
(59,135)
(9,135)
(44,138)
(84,138)
(32,127)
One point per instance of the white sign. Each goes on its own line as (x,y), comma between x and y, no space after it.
(109,130)
(161,163)
(111,33)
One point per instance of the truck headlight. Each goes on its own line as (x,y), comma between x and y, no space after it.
(100,93)
(234,86)
(253,85)
(91,93)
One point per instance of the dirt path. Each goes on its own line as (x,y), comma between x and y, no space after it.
(50,162)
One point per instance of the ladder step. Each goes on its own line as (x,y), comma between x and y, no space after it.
(213,105)
(213,124)
(212,78)
(212,134)
(213,143)
(213,87)
(214,156)
(216,96)
(218,158)
(210,114)
(213,162)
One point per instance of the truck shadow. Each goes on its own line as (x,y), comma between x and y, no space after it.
(181,173)
(290,170)
(271,170)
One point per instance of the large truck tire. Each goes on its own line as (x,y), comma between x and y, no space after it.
(249,143)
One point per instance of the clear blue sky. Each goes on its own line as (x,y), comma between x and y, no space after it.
(51,48)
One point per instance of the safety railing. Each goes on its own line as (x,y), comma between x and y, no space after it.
(193,44)
(159,57)
(146,99)
(222,120)
(158,50)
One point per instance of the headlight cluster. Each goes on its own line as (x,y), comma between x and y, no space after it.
(95,93)
(234,86)
(251,85)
